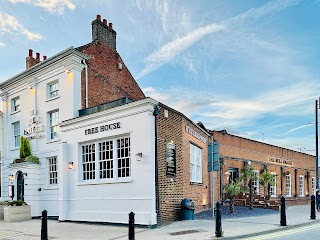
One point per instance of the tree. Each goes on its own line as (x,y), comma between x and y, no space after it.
(248,176)
(267,180)
(231,190)
(25,149)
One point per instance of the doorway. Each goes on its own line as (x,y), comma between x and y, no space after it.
(20,186)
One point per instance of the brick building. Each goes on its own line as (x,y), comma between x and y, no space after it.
(294,171)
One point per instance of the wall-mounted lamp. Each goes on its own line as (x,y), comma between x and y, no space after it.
(139,156)
(67,71)
(227,174)
(11,177)
(25,174)
(249,162)
(70,165)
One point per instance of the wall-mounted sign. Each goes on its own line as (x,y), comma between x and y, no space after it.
(170,159)
(196,135)
(280,161)
(102,128)
(35,127)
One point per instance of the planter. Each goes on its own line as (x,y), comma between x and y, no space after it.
(16,213)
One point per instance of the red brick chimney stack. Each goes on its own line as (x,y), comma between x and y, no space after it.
(103,33)
(44,58)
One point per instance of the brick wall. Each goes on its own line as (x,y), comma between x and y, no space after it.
(105,81)
(237,150)
(173,189)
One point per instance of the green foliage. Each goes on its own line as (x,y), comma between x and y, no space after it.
(25,149)
(16,203)
(4,203)
(267,178)
(232,189)
(248,174)
(32,158)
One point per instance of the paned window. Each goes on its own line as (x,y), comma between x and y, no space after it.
(16,134)
(112,161)
(313,185)
(53,89)
(88,161)
(273,188)
(15,102)
(53,124)
(53,171)
(195,164)
(255,182)
(301,186)
(123,157)
(106,159)
(288,185)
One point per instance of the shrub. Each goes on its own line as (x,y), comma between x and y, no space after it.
(25,149)
(4,203)
(17,203)
(32,158)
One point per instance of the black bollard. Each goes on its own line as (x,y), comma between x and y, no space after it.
(313,207)
(218,220)
(283,219)
(131,226)
(44,225)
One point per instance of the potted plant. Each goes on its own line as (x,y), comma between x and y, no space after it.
(16,211)
(5,203)
(25,152)
(231,190)
(266,181)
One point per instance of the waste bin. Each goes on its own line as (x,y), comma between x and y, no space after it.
(187,209)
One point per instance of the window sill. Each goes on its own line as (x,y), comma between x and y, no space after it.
(15,149)
(15,112)
(111,181)
(51,99)
(196,183)
(53,140)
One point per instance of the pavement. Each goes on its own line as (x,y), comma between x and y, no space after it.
(233,228)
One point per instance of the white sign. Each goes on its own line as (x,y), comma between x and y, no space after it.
(35,127)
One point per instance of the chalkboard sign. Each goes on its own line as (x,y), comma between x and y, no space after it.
(171,159)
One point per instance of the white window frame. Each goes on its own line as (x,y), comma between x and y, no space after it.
(53,125)
(16,134)
(94,161)
(52,171)
(15,104)
(195,164)
(288,185)
(301,186)
(313,183)
(53,93)
(273,189)
(255,183)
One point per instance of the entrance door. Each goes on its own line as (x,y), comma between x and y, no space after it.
(20,187)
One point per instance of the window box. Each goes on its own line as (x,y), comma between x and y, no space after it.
(16,213)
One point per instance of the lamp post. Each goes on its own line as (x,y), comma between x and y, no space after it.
(317,170)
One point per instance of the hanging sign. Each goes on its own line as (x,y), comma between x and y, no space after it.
(170,159)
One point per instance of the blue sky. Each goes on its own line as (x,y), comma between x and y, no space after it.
(250,67)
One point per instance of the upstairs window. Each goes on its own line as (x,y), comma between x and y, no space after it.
(53,89)
(53,124)
(16,134)
(15,103)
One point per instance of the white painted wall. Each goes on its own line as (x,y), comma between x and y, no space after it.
(112,200)
(68,102)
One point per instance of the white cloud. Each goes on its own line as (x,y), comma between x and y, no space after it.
(2,44)
(300,127)
(53,6)
(170,50)
(9,24)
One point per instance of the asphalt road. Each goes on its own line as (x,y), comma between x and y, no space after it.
(307,232)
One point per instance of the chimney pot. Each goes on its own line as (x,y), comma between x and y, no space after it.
(99,17)
(30,52)
(104,21)
(44,58)
(38,56)
(110,25)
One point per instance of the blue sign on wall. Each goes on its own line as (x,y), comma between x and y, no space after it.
(213,157)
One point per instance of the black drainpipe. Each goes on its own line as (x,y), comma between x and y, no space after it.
(156,112)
